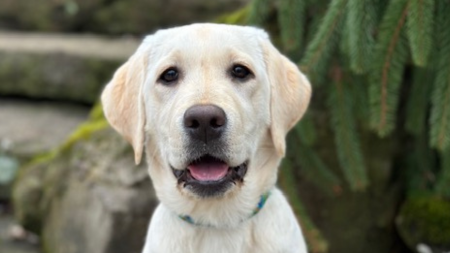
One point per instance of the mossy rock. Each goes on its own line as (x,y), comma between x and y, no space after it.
(109,17)
(86,196)
(56,76)
(425,220)
(26,129)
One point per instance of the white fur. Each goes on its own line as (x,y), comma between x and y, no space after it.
(273,230)
(259,113)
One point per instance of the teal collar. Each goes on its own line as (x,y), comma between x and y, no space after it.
(259,206)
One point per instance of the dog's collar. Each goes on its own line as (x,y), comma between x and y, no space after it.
(262,201)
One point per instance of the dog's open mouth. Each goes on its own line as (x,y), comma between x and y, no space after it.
(208,176)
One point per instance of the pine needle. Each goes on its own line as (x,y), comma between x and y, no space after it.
(321,48)
(259,11)
(313,167)
(360,25)
(389,61)
(306,130)
(421,161)
(291,20)
(443,179)
(420,29)
(440,111)
(418,99)
(347,140)
(314,238)
(359,94)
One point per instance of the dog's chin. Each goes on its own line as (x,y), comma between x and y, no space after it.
(209,177)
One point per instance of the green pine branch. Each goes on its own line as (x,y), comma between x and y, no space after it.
(313,167)
(321,48)
(419,25)
(306,130)
(291,20)
(259,12)
(440,111)
(314,238)
(442,186)
(421,161)
(386,76)
(359,94)
(418,101)
(347,140)
(360,24)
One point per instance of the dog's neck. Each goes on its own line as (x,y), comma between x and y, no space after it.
(262,201)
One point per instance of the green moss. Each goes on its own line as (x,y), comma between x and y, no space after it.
(425,220)
(38,182)
(42,158)
(83,132)
(238,17)
(96,112)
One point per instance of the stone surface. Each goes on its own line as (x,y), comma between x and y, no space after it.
(59,67)
(31,127)
(98,47)
(8,170)
(9,245)
(110,17)
(87,196)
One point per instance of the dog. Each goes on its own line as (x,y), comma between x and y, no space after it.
(210,106)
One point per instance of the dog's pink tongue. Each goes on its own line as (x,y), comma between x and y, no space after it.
(208,170)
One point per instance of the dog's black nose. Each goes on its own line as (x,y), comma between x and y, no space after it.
(205,122)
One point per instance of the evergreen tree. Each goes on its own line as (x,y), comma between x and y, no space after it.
(384,68)
(366,53)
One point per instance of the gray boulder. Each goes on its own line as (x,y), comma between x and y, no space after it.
(59,67)
(87,196)
(29,128)
(109,17)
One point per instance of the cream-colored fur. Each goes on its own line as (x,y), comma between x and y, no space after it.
(259,111)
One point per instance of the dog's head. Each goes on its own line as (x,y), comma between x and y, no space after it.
(211,105)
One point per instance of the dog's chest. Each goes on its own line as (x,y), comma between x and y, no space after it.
(273,230)
(227,241)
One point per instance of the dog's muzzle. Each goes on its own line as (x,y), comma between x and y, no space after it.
(207,173)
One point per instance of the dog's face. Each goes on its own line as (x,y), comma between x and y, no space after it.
(212,104)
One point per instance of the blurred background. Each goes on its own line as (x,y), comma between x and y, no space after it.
(367,169)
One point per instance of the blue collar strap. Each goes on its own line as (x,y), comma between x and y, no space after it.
(259,206)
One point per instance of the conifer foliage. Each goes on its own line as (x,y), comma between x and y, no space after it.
(380,63)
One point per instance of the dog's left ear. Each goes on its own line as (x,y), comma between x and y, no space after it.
(123,102)
(290,95)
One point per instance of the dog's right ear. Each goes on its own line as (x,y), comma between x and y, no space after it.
(123,103)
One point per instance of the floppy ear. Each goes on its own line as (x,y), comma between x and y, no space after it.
(123,102)
(290,95)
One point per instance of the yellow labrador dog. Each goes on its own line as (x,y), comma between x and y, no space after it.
(210,106)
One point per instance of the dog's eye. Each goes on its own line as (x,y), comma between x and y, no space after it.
(240,72)
(169,76)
